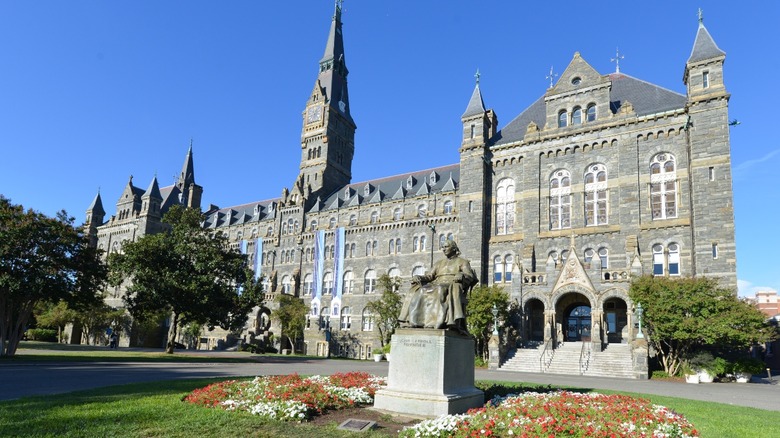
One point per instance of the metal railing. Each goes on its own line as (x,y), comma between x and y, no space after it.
(584,357)
(546,357)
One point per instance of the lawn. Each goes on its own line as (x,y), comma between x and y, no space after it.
(156,409)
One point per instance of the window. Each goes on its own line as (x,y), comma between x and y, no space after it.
(714,250)
(327,284)
(553,256)
(498,269)
(374,217)
(368,249)
(674,259)
(313,226)
(442,239)
(368,320)
(369,282)
(596,195)
(391,247)
(307,284)
(290,226)
(576,116)
(663,187)
(352,220)
(418,270)
(286,285)
(591,112)
(422,210)
(395,275)
(705,79)
(560,200)
(508,261)
(398,245)
(374,248)
(352,250)
(346,318)
(562,116)
(564,255)
(711,173)
(416,244)
(432,178)
(604,256)
(588,259)
(332,223)
(447,207)
(348,283)
(505,206)
(423,242)
(397,214)
(658,260)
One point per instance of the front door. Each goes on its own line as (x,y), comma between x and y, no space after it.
(578,324)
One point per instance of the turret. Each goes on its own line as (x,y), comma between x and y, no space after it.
(94,219)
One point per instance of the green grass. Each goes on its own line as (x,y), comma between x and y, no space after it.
(156,410)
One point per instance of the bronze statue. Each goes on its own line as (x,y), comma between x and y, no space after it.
(438,299)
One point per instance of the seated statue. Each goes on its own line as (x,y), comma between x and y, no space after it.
(438,299)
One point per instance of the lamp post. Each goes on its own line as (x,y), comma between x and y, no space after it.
(433,239)
(495,319)
(639,312)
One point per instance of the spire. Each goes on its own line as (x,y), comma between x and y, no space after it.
(333,68)
(187,176)
(704,46)
(476,104)
(153,192)
(96,208)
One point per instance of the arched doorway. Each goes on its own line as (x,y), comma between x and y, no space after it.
(615,319)
(534,310)
(577,322)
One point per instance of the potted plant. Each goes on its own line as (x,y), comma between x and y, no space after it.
(691,375)
(386,350)
(377,352)
(707,366)
(744,369)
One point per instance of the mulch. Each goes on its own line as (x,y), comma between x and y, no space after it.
(385,423)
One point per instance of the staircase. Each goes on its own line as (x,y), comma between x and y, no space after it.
(613,361)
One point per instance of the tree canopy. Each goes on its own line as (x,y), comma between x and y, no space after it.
(480,313)
(292,317)
(683,314)
(187,271)
(42,259)
(386,308)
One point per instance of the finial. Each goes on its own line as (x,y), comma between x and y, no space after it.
(617,59)
(551,76)
(190,143)
(701,16)
(477,75)
(572,240)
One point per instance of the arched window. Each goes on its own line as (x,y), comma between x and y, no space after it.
(332,223)
(450,236)
(313,225)
(674,259)
(391,247)
(508,262)
(416,244)
(423,242)
(422,210)
(596,195)
(604,257)
(398,245)
(374,217)
(307,284)
(588,259)
(663,186)
(368,248)
(346,318)
(286,285)
(348,283)
(352,250)
(369,282)
(505,206)
(352,220)
(498,269)
(327,284)
(562,119)
(658,259)
(374,248)
(591,112)
(368,320)
(447,207)
(397,214)
(418,270)
(553,256)
(395,275)
(564,255)
(442,240)
(290,226)
(560,200)
(576,116)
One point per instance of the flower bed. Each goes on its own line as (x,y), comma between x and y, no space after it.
(290,397)
(559,414)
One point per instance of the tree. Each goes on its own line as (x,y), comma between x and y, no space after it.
(292,317)
(42,259)
(55,315)
(480,314)
(386,308)
(683,314)
(187,271)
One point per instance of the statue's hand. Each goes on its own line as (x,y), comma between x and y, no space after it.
(458,278)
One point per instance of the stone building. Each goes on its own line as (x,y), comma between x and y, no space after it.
(603,177)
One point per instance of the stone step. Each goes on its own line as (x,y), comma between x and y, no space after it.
(613,361)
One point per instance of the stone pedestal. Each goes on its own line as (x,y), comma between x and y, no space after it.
(431,374)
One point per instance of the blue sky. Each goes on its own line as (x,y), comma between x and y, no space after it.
(93,92)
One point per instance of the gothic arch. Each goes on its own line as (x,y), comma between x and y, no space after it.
(614,292)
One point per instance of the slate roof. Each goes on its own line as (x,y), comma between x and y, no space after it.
(704,47)
(645,97)
(241,214)
(476,104)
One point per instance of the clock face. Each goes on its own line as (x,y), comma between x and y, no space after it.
(314,114)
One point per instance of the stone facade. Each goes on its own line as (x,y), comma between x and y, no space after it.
(603,177)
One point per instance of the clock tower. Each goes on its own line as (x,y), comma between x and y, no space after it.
(328,134)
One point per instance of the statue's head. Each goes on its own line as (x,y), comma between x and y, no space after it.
(450,248)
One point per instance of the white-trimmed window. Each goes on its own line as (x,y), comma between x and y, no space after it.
(394,273)
(663,186)
(368,320)
(422,210)
(307,284)
(674,259)
(576,116)
(588,257)
(705,79)
(554,257)
(332,223)
(348,283)
(448,207)
(423,242)
(604,258)
(502,269)
(374,217)
(416,244)
(505,206)
(327,284)
(397,214)
(286,284)
(596,195)
(312,226)
(658,259)
(353,220)
(418,270)
(560,200)
(369,282)
(666,261)
(346,318)
(591,112)
(562,119)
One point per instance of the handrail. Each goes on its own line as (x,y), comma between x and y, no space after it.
(544,362)
(584,358)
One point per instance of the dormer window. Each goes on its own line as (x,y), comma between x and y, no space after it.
(346,193)
(409,182)
(576,116)
(576,81)
(705,79)
(432,178)
(562,119)
(366,189)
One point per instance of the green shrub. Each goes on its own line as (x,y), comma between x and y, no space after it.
(747,365)
(479,362)
(660,374)
(44,335)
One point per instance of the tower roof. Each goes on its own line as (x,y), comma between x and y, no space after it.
(187,176)
(96,208)
(476,104)
(154,190)
(333,68)
(704,46)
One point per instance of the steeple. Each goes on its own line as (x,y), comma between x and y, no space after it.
(187,176)
(703,74)
(96,208)
(479,124)
(476,105)
(704,46)
(191,192)
(151,200)
(95,216)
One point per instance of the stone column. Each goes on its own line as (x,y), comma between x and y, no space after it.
(494,349)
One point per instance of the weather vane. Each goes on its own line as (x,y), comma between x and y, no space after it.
(551,76)
(617,59)
(701,16)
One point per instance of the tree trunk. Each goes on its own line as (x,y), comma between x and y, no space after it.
(172,334)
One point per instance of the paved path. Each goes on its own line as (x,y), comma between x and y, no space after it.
(20,379)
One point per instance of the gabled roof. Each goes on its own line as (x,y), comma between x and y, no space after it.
(240,214)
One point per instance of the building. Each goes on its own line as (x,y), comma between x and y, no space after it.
(603,177)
